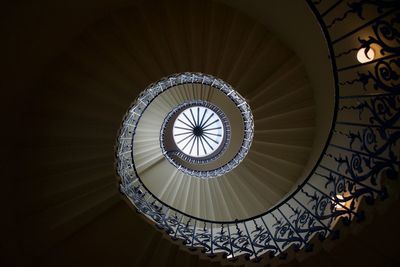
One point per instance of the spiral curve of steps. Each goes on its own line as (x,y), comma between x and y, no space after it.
(243,192)
(77,114)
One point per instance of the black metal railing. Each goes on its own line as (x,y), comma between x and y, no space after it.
(362,149)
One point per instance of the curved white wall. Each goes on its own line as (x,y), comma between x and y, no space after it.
(307,41)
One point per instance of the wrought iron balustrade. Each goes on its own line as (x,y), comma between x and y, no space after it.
(362,149)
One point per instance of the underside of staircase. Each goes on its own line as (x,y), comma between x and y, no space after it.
(71,71)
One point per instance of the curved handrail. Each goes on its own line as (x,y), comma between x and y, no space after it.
(362,147)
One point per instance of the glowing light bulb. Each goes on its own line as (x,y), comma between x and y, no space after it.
(337,205)
(364,58)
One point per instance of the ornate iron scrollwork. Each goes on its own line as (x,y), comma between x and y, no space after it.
(362,149)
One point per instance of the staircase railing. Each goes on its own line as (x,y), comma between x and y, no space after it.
(361,151)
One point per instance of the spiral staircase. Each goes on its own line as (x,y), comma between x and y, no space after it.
(316,186)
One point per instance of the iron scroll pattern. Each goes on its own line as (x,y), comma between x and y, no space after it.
(361,152)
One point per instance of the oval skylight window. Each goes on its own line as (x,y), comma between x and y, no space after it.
(198,131)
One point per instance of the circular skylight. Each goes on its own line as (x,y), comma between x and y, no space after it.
(195,136)
(198,131)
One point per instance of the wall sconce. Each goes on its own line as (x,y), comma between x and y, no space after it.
(341,205)
(364,58)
